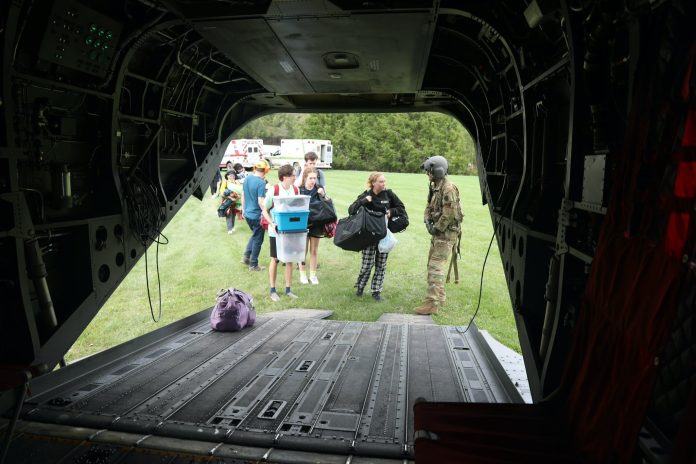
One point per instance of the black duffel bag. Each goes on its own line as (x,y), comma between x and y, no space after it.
(366,227)
(322,212)
(398,223)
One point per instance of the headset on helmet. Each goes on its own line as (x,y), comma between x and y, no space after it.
(262,165)
(437,166)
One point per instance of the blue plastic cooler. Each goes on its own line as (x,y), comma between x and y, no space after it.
(291,221)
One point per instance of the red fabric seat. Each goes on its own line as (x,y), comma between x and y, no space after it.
(490,433)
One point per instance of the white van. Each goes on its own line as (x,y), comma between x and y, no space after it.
(292,152)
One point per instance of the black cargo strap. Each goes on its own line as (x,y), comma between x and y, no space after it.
(456,252)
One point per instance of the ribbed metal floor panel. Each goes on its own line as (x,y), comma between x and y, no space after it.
(308,385)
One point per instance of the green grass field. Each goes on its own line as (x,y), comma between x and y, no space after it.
(202,258)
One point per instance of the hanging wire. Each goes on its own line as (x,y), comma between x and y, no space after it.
(485,259)
(146,220)
(159,284)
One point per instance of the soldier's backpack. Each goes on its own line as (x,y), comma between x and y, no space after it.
(233,311)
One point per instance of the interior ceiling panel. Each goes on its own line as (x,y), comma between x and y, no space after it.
(302,7)
(253,45)
(218,9)
(298,55)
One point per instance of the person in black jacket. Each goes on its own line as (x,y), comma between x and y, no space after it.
(377,198)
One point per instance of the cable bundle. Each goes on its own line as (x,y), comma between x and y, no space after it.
(146,218)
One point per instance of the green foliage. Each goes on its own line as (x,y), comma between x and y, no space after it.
(201,258)
(394,142)
(274,127)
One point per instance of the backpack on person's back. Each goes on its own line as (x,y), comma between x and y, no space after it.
(233,311)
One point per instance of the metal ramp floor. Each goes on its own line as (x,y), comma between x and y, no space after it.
(316,387)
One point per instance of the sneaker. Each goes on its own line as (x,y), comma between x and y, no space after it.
(245,260)
(377,296)
(291,295)
(303,279)
(314,280)
(256,268)
(359,292)
(275,297)
(231,231)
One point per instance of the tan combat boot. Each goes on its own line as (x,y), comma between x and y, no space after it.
(426,309)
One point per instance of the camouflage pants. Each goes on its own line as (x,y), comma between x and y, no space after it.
(438,263)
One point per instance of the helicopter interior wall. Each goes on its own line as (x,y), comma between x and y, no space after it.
(627,317)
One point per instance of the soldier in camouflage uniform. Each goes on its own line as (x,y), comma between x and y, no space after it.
(443,218)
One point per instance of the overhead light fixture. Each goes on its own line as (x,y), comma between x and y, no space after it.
(287,67)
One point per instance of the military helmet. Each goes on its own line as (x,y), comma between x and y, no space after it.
(437,166)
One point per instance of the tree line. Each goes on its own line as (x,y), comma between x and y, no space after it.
(395,142)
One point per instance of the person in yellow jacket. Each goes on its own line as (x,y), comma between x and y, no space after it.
(231,204)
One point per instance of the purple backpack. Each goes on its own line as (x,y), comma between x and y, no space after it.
(233,311)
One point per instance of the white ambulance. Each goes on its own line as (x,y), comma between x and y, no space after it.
(243,151)
(292,152)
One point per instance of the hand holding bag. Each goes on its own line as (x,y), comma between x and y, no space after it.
(398,220)
(366,227)
(398,223)
(322,212)
(387,243)
(330,229)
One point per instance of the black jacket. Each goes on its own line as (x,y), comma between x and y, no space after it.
(313,194)
(385,201)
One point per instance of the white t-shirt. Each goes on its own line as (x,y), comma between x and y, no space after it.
(282,192)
